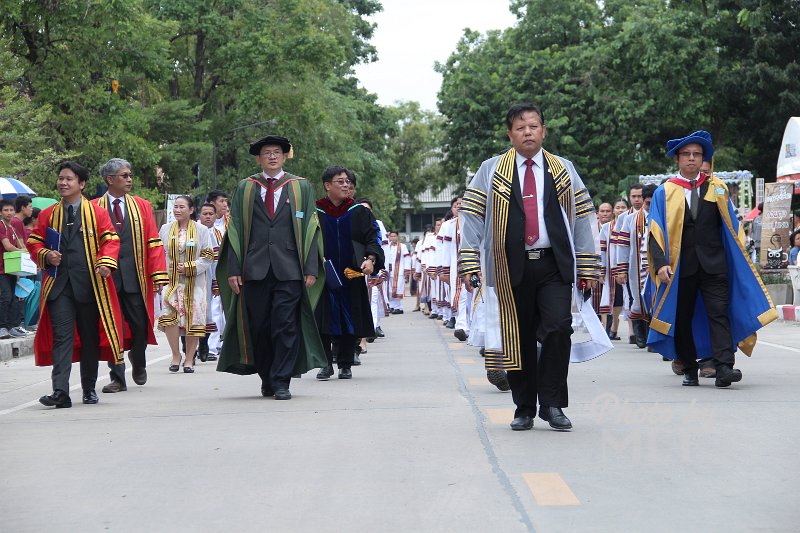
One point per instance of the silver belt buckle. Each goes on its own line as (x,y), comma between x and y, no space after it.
(534,254)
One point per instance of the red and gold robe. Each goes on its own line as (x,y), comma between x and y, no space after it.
(148,252)
(102,249)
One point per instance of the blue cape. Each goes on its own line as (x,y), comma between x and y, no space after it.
(750,307)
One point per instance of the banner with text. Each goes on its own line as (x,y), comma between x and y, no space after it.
(776,224)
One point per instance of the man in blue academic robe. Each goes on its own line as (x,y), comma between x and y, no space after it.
(698,266)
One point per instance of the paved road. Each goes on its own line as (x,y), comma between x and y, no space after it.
(417,441)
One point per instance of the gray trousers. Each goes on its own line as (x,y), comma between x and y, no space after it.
(64,317)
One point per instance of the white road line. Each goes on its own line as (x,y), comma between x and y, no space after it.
(773,345)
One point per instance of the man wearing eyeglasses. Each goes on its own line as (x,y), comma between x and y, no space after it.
(352,252)
(271,257)
(692,214)
(141,269)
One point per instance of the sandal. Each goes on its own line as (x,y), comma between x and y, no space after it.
(174,368)
(188,369)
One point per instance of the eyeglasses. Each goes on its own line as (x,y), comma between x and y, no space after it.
(696,155)
(271,154)
(126,175)
(343,182)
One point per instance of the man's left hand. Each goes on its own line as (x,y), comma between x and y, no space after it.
(367,267)
(104,271)
(310,280)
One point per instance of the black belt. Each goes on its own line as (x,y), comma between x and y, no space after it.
(538,253)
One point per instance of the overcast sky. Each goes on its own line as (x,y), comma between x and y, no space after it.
(413,34)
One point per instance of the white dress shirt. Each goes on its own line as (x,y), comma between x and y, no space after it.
(121,199)
(277,194)
(538,171)
(688,192)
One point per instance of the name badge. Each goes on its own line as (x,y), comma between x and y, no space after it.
(299,214)
(720,191)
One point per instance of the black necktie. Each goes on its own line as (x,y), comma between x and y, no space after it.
(70,218)
(695,199)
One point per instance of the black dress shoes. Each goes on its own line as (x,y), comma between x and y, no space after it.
(266,391)
(522,423)
(139,375)
(379,332)
(499,379)
(727,375)
(59,399)
(460,334)
(345,373)
(90,397)
(356,360)
(451,324)
(212,357)
(690,377)
(283,394)
(433,315)
(115,386)
(325,373)
(556,417)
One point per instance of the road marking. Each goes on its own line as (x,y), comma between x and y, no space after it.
(465,360)
(548,488)
(456,345)
(500,416)
(100,379)
(778,346)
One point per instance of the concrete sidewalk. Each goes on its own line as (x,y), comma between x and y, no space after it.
(418,440)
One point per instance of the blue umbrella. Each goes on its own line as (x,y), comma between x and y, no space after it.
(11,188)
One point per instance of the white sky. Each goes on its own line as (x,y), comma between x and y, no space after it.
(413,34)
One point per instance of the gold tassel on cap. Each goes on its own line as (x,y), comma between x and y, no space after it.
(291,152)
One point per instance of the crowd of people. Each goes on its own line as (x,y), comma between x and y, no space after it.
(277,282)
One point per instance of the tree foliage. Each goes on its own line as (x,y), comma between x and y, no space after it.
(617,79)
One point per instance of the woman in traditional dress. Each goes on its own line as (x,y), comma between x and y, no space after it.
(612,298)
(185,303)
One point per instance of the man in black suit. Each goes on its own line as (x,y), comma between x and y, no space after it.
(536,203)
(271,260)
(703,262)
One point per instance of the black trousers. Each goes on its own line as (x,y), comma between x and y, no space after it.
(273,309)
(714,288)
(12,312)
(135,312)
(346,350)
(65,314)
(544,310)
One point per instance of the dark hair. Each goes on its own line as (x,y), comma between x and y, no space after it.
(364,200)
(80,171)
(635,186)
(209,204)
(517,110)
(648,190)
(618,200)
(331,171)
(4,203)
(454,200)
(188,200)
(388,231)
(21,202)
(760,207)
(792,236)
(34,216)
(216,193)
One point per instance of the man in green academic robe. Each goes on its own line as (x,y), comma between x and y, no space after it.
(271,257)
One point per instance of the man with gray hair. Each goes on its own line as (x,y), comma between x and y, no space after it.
(141,268)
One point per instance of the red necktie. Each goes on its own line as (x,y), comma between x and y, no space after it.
(530,205)
(117,212)
(270,199)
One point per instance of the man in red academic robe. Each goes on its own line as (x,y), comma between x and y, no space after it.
(140,272)
(77,277)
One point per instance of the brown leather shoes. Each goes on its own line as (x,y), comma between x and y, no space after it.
(115,386)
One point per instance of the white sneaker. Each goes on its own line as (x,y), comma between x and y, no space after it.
(4,333)
(22,329)
(15,332)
